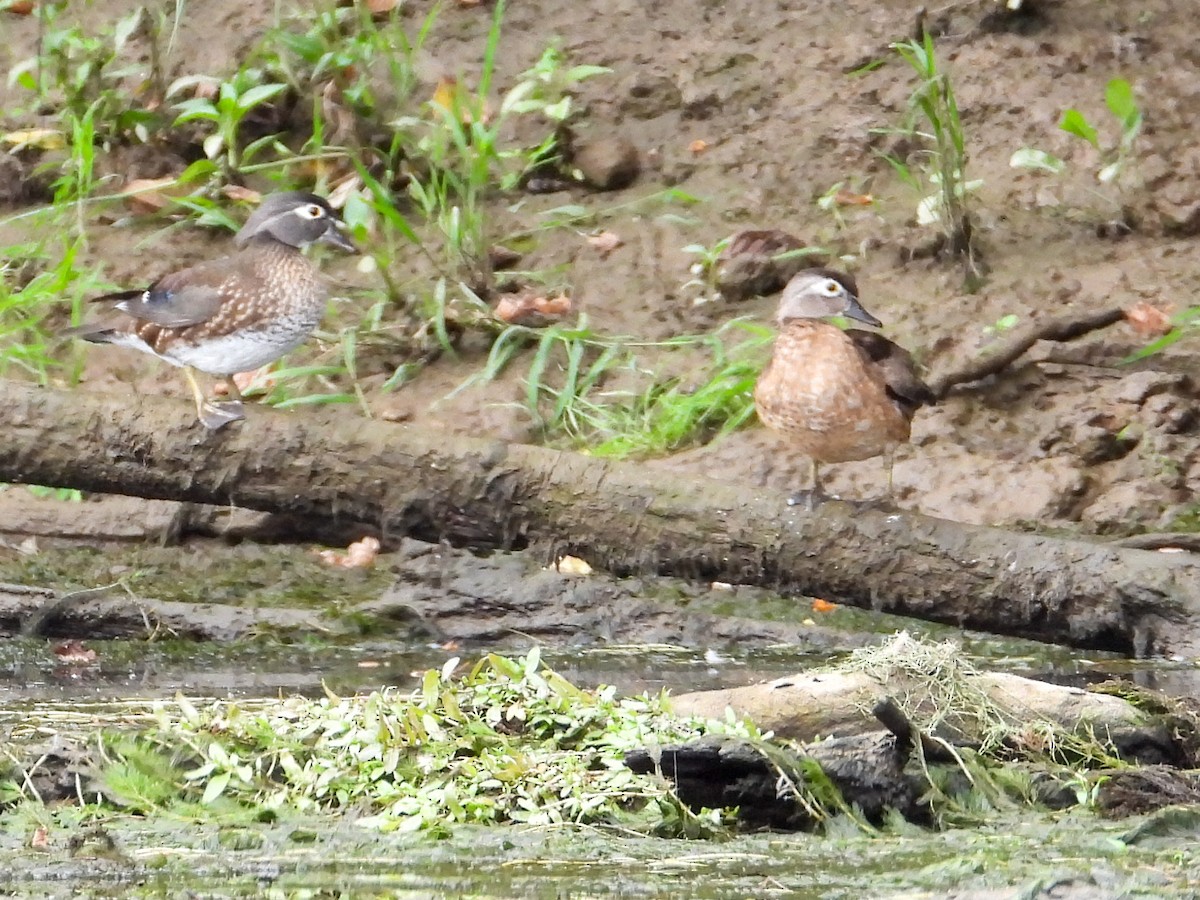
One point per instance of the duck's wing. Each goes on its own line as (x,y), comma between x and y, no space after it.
(187,297)
(898,369)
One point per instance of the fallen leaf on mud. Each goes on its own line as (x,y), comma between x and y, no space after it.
(259,380)
(455,99)
(40,840)
(342,190)
(572,565)
(451,646)
(531,309)
(381,8)
(605,241)
(823,606)
(74,653)
(38,138)
(721,586)
(358,555)
(849,198)
(244,194)
(369,664)
(148,195)
(1148,320)
(697,147)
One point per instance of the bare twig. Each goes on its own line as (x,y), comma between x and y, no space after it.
(1058,328)
(1187,541)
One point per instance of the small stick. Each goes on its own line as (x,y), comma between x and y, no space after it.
(1186,540)
(1058,328)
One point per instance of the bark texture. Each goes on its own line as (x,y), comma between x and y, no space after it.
(486,494)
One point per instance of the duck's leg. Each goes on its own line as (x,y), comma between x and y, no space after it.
(811,498)
(211,415)
(232,406)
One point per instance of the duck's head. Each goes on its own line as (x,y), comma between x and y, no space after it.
(297,219)
(822,294)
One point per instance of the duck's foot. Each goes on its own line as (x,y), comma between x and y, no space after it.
(883,503)
(810,499)
(214,416)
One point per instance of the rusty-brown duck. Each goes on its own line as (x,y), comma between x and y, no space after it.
(836,395)
(233,314)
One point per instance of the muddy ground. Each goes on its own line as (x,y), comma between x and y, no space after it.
(787,101)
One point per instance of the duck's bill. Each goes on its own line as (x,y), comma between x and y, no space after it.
(339,238)
(854,310)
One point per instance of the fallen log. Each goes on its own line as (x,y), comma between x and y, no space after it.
(397,480)
(109,612)
(807,705)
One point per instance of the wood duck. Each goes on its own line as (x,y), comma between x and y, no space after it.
(837,395)
(236,313)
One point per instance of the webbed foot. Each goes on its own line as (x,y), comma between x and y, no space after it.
(214,416)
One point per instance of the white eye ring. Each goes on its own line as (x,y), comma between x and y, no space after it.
(831,287)
(311,211)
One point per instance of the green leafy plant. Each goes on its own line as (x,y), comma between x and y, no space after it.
(509,741)
(566,395)
(1123,105)
(1115,155)
(704,269)
(30,290)
(545,90)
(934,119)
(676,413)
(76,71)
(233,100)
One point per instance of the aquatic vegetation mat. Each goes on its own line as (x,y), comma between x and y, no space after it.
(509,741)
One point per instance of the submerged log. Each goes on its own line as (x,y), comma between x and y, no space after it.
(398,480)
(764,783)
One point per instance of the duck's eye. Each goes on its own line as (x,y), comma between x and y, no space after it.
(831,288)
(311,211)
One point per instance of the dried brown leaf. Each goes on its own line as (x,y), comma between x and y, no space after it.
(605,241)
(359,555)
(149,195)
(531,309)
(1148,320)
(37,138)
(697,147)
(572,565)
(73,652)
(244,194)
(850,198)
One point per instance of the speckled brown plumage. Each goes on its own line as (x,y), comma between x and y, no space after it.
(234,314)
(259,305)
(837,396)
(823,389)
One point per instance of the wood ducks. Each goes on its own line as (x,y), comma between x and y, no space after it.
(838,395)
(236,313)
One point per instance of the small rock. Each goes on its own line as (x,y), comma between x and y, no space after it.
(607,164)
(1095,443)
(1169,413)
(700,104)
(651,96)
(750,266)
(1115,508)
(1178,211)
(1137,387)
